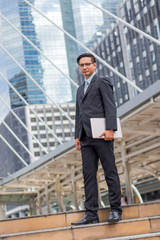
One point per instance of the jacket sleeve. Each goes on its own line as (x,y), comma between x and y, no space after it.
(77,118)
(106,90)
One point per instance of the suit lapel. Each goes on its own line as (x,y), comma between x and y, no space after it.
(81,91)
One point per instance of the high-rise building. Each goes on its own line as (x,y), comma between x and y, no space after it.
(79,18)
(52,117)
(143,54)
(48,38)
(90,22)
(71,46)
(128,52)
(87,20)
(22,52)
(9,162)
(110,49)
(111,6)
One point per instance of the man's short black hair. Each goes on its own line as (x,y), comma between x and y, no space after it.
(86,55)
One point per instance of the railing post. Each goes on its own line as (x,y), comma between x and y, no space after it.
(74,188)
(59,194)
(2,212)
(126,166)
(47,200)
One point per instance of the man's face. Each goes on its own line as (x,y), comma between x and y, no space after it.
(87,67)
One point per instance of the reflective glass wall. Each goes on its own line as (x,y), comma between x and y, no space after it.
(48,39)
(79,18)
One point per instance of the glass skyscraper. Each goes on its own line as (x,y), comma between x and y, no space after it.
(48,38)
(22,52)
(91,22)
(87,20)
(79,18)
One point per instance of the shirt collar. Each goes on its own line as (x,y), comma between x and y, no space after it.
(90,78)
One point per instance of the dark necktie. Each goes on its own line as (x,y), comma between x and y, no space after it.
(86,85)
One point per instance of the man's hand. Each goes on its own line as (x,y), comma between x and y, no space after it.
(108,135)
(78,144)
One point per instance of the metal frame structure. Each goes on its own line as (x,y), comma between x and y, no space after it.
(56,175)
(88,50)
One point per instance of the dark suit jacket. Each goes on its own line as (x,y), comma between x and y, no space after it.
(97,102)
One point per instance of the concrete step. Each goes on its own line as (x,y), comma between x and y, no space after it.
(149,236)
(51,221)
(124,228)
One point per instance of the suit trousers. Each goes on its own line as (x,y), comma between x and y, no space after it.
(92,150)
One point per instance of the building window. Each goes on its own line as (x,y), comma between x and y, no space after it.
(133,34)
(44,144)
(117,41)
(120,100)
(152,54)
(148,80)
(118,85)
(127,38)
(139,24)
(135,50)
(126,96)
(153,12)
(51,144)
(149,41)
(145,62)
(34,128)
(49,118)
(132,74)
(100,66)
(146,21)
(156,77)
(156,32)
(43,135)
(121,70)
(42,127)
(142,44)
(139,68)
(130,15)
(33,120)
(35,145)
(103,55)
(147,72)
(40,111)
(37,154)
(140,77)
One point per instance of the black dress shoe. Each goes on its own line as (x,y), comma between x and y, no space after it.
(87,220)
(114,217)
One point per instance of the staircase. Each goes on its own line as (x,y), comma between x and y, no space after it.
(139,221)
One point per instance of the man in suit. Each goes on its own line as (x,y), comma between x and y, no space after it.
(95,100)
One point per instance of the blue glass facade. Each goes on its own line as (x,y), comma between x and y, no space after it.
(52,43)
(20,17)
(4,89)
(46,37)
(79,18)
